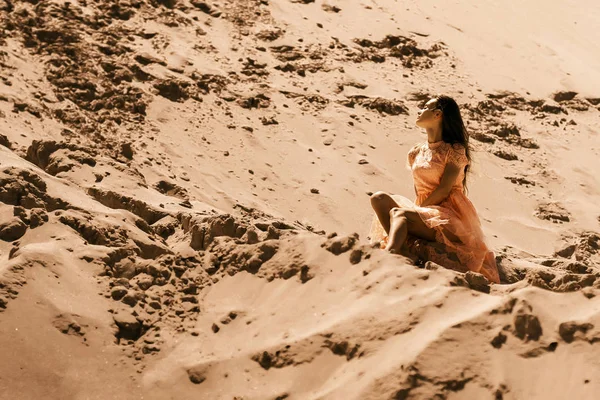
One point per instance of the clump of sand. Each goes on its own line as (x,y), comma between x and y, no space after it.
(184,201)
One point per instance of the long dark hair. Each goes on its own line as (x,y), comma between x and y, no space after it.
(453,128)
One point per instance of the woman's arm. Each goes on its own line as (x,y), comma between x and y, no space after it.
(448,180)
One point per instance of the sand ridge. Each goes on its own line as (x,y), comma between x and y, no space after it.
(184,202)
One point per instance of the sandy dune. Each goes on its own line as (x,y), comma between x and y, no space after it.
(184,200)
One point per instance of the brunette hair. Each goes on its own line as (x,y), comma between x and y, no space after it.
(453,128)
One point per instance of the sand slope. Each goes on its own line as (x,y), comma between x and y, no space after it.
(184,200)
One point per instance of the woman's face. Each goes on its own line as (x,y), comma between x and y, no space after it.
(429,116)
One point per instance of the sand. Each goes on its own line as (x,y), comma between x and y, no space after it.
(184,200)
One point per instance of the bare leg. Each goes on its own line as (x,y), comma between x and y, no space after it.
(404,222)
(382,204)
(398,231)
(399,222)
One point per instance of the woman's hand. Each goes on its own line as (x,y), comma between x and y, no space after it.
(447,181)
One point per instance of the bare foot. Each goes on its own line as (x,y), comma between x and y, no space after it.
(405,253)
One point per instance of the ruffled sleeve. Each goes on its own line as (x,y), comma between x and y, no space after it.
(412,154)
(457,155)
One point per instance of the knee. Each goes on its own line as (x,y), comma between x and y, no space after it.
(397,212)
(379,198)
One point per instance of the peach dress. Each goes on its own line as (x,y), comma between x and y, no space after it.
(455,217)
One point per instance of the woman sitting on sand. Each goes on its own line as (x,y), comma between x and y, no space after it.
(441,225)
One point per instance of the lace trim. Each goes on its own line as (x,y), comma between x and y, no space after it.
(457,155)
(412,155)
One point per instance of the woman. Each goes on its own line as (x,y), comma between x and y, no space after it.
(441,225)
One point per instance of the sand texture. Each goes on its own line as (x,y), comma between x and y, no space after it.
(184,199)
